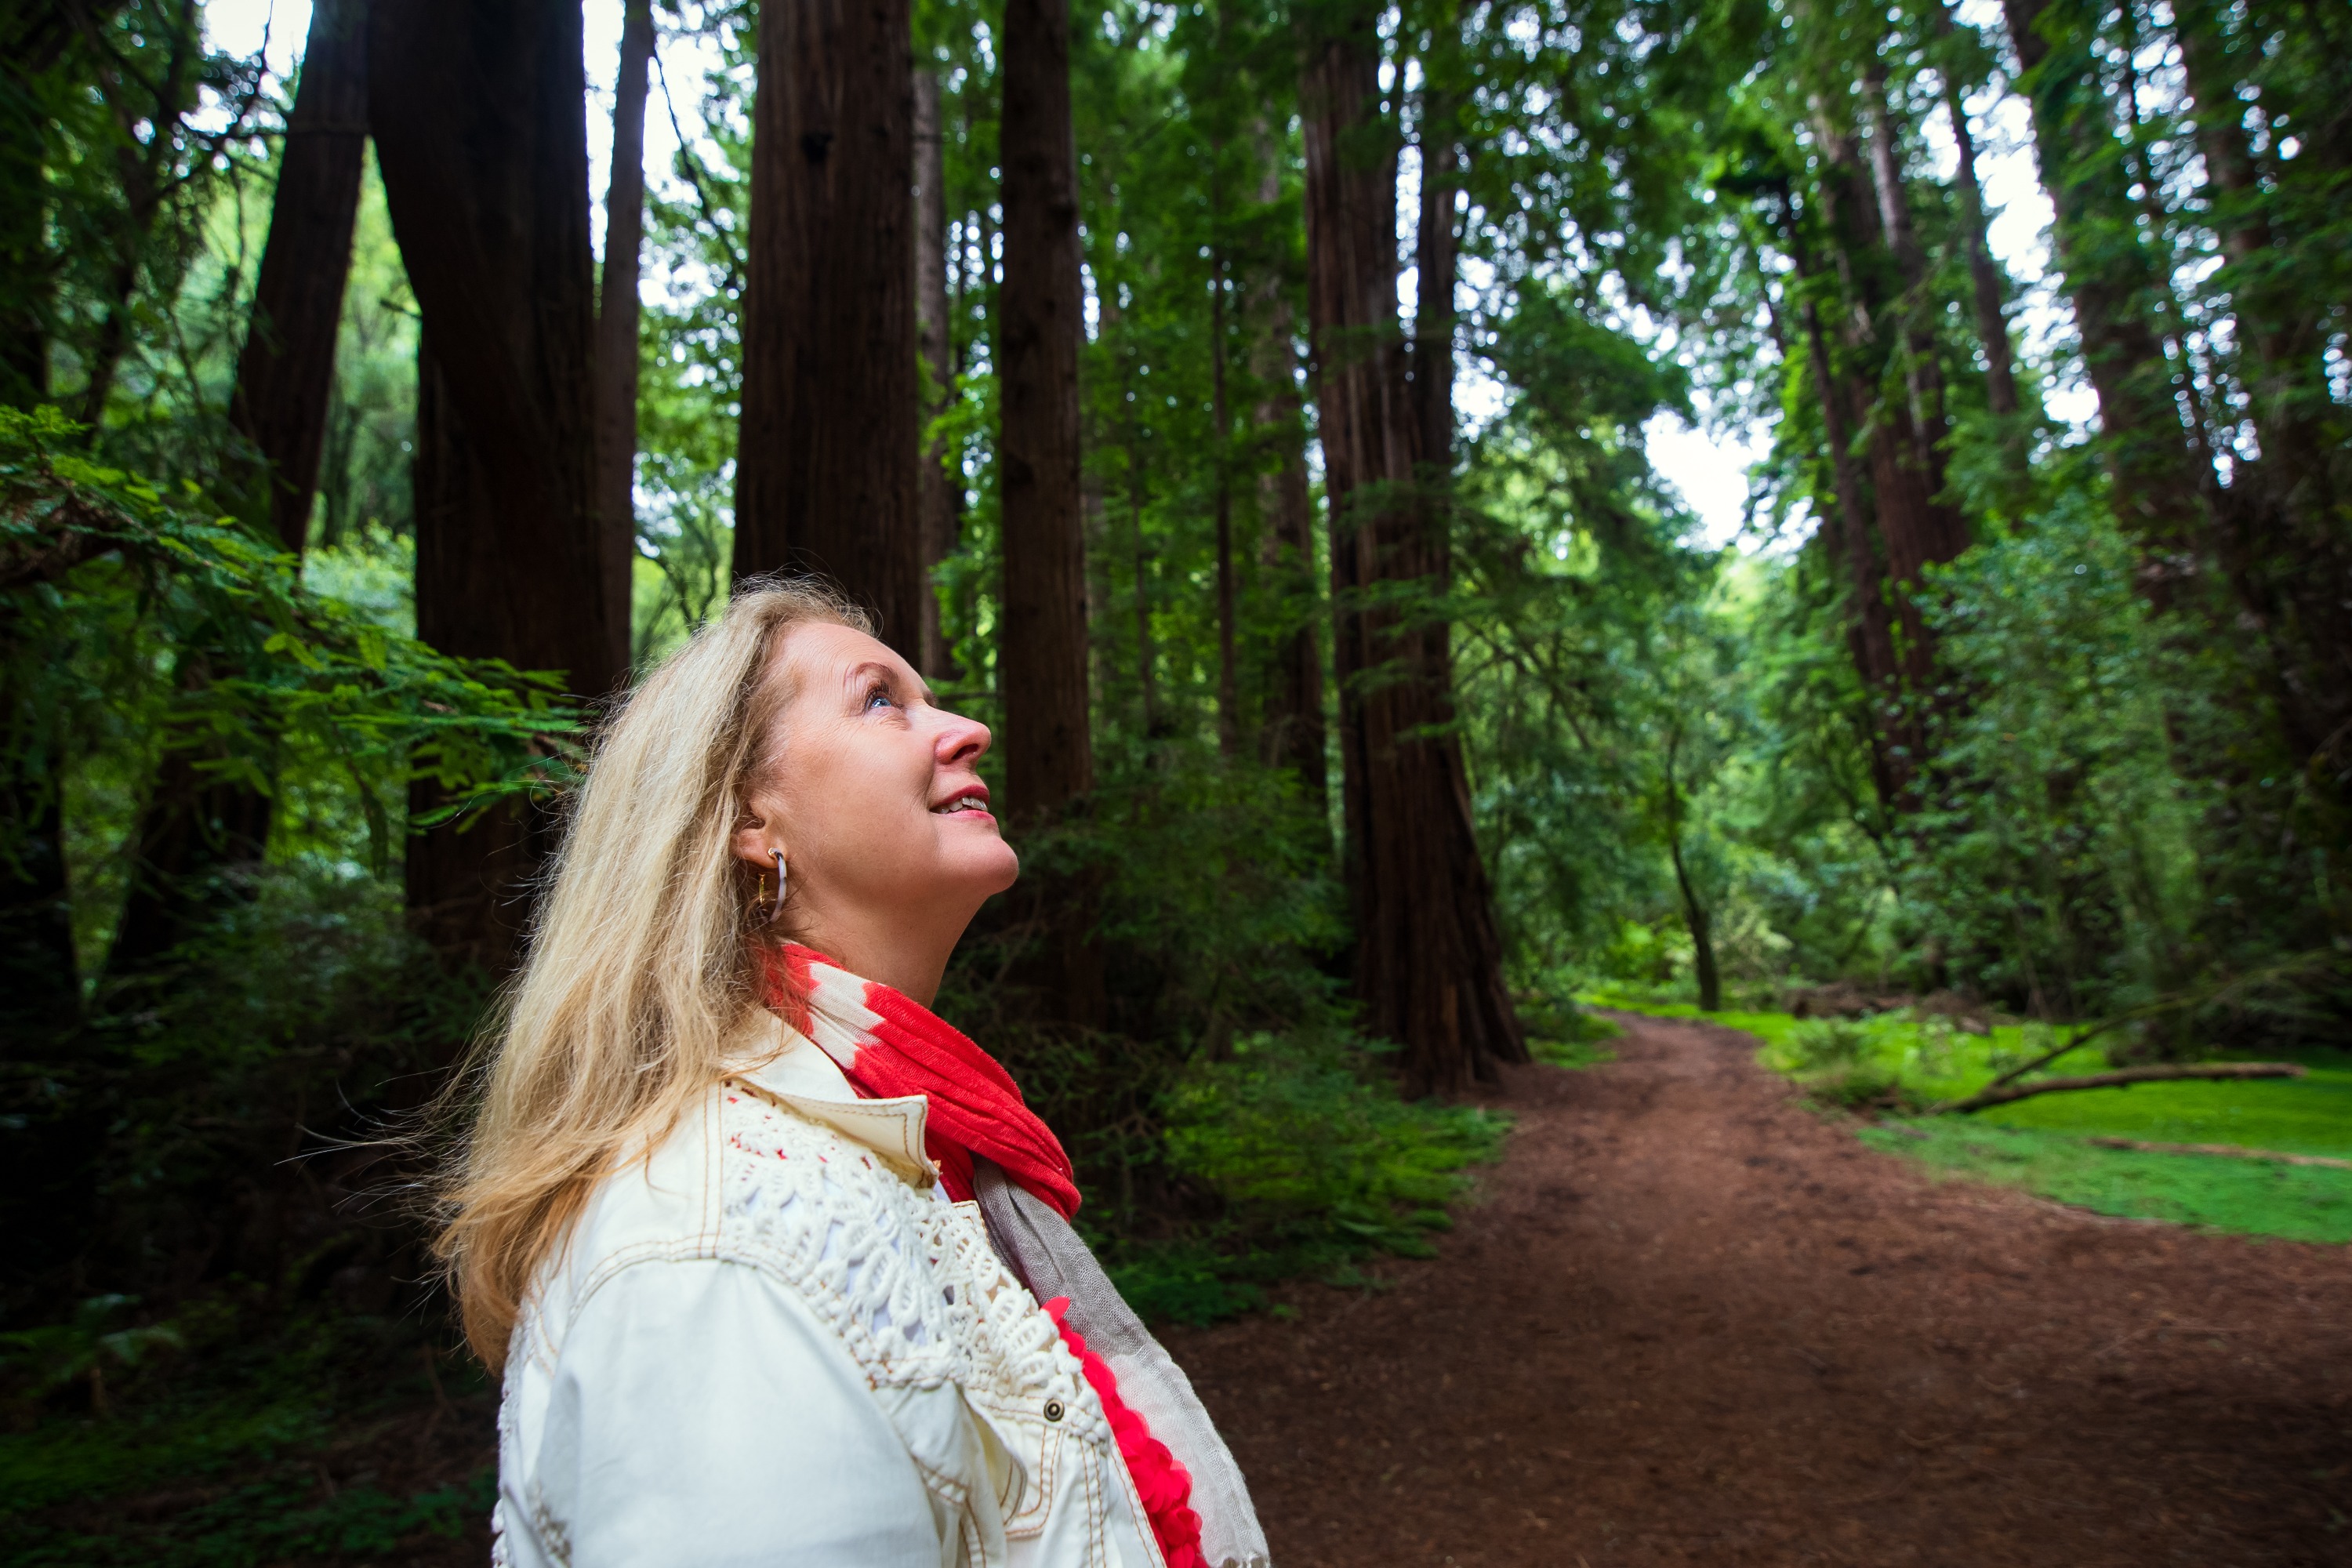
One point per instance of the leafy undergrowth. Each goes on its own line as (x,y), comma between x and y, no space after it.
(1319,1164)
(1898,1061)
(239,1436)
(2250,1197)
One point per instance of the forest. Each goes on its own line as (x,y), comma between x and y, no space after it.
(1244,408)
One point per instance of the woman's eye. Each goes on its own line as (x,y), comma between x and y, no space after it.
(879,697)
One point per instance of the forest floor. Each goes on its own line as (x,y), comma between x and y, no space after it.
(1689,1321)
(1694,1322)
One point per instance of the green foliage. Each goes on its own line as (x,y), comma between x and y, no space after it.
(1318,1164)
(2248,1197)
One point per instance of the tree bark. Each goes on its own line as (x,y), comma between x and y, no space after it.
(937,490)
(1293,729)
(616,324)
(826,476)
(1428,963)
(1042,646)
(1049,759)
(2225,1071)
(479,118)
(2157,485)
(1695,916)
(287,371)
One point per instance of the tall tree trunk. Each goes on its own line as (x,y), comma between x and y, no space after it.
(1428,960)
(1229,719)
(195,825)
(2286,548)
(479,116)
(825,454)
(1293,729)
(2157,484)
(287,371)
(1847,539)
(1916,529)
(1984,273)
(937,491)
(1041,645)
(616,324)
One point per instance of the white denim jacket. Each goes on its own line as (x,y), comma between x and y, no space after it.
(776,1340)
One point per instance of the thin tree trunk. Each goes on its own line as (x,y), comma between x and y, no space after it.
(825,455)
(287,371)
(480,117)
(1696,918)
(1984,273)
(937,490)
(1229,719)
(1141,557)
(616,323)
(1292,731)
(1042,647)
(195,825)
(1428,958)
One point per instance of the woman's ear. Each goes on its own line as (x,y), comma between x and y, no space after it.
(753,843)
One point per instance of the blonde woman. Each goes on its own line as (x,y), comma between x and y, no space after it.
(778,1265)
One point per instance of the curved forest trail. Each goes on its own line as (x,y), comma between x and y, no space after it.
(1693,1323)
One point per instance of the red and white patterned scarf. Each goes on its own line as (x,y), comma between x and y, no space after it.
(888,1045)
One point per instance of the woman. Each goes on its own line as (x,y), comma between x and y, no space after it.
(779,1265)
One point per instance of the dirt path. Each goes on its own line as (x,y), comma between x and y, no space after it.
(1693,1323)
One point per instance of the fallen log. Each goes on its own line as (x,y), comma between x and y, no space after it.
(2002,1094)
(2230,1150)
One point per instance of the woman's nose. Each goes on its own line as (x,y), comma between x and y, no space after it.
(962,740)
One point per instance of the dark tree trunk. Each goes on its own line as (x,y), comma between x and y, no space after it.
(1916,529)
(616,324)
(1696,918)
(480,117)
(1229,717)
(1428,960)
(35,39)
(1846,536)
(287,370)
(1042,647)
(1049,760)
(2157,485)
(2285,544)
(825,478)
(195,827)
(937,490)
(1293,729)
(195,830)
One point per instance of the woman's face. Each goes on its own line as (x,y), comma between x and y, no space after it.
(874,795)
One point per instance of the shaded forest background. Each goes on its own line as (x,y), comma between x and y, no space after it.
(1346,737)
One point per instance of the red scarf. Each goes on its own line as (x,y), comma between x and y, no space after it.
(886,1046)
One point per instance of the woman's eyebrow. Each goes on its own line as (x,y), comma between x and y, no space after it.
(857,673)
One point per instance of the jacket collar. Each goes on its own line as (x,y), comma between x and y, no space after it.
(783,1065)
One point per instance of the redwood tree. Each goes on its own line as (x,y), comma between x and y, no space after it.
(1041,655)
(479,116)
(194,823)
(937,492)
(616,322)
(824,468)
(1428,960)
(288,365)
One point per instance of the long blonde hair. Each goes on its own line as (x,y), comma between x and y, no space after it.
(640,966)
